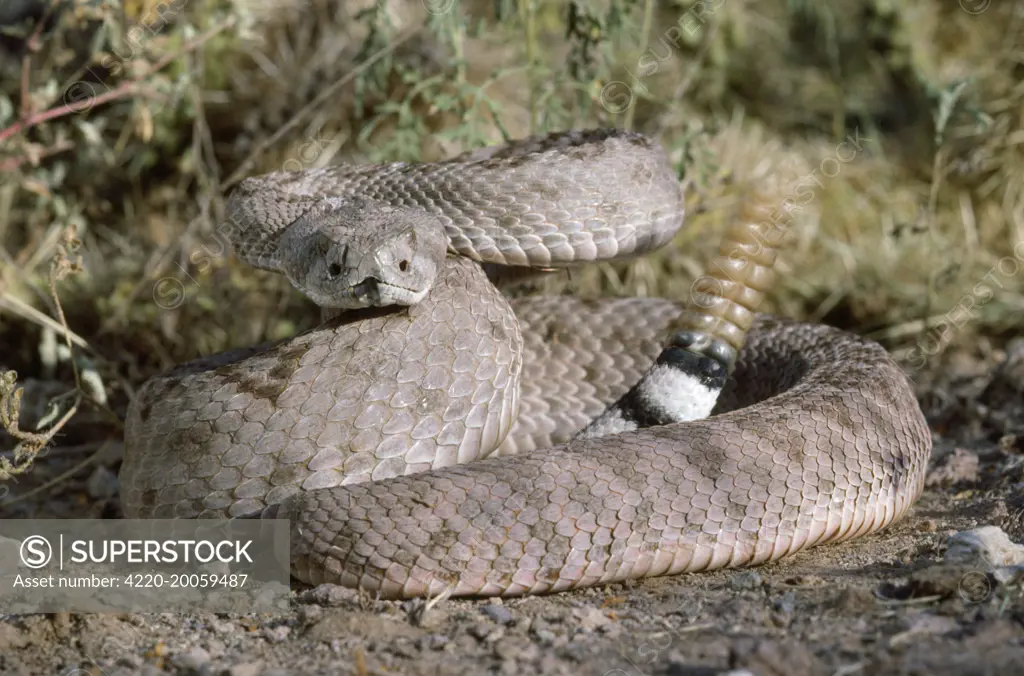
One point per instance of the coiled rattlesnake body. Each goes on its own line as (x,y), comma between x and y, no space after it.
(368,431)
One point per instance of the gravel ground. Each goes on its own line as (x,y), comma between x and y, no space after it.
(884,604)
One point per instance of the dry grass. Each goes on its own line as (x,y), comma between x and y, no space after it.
(134,137)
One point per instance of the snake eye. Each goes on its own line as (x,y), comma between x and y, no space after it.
(333,270)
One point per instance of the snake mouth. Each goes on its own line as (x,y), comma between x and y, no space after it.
(372,292)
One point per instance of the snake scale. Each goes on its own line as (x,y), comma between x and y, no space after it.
(422,439)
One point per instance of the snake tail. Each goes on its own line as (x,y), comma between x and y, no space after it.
(724,301)
(685,381)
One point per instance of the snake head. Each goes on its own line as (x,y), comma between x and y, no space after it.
(350,253)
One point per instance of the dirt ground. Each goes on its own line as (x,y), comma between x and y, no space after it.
(884,604)
(932,207)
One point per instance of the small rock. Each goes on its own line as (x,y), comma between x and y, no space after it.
(246,669)
(590,618)
(11,638)
(576,651)
(989,548)
(747,580)
(854,601)
(959,466)
(507,651)
(151,670)
(499,614)
(276,634)
(222,627)
(404,649)
(102,484)
(130,660)
(517,649)
(330,595)
(118,671)
(349,625)
(785,604)
(922,625)
(215,647)
(194,659)
(772,658)
(61,622)
(433,642)
(545,636)
(482,632)
(310,614)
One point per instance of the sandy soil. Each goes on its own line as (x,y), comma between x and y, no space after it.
(885,604)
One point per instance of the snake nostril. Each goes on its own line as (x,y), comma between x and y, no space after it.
(333,270)
(403,265)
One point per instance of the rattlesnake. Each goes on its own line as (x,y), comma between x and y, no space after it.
(367,431)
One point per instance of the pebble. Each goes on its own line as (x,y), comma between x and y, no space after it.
(785,604)
(485,633)
(746,580)
(130,660)
(193,659)
(499,614)
(577,652)
(215,647)
(405,649)
(545,636)
(222,627)
(988,548)
(516,650)
(11,637)
(959,466)
(276,634)
(590,618)
(246,669)
(330,595)
(310,614)
(433,642)
(774,658)
(924,624)
(124,671)
(854,601)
